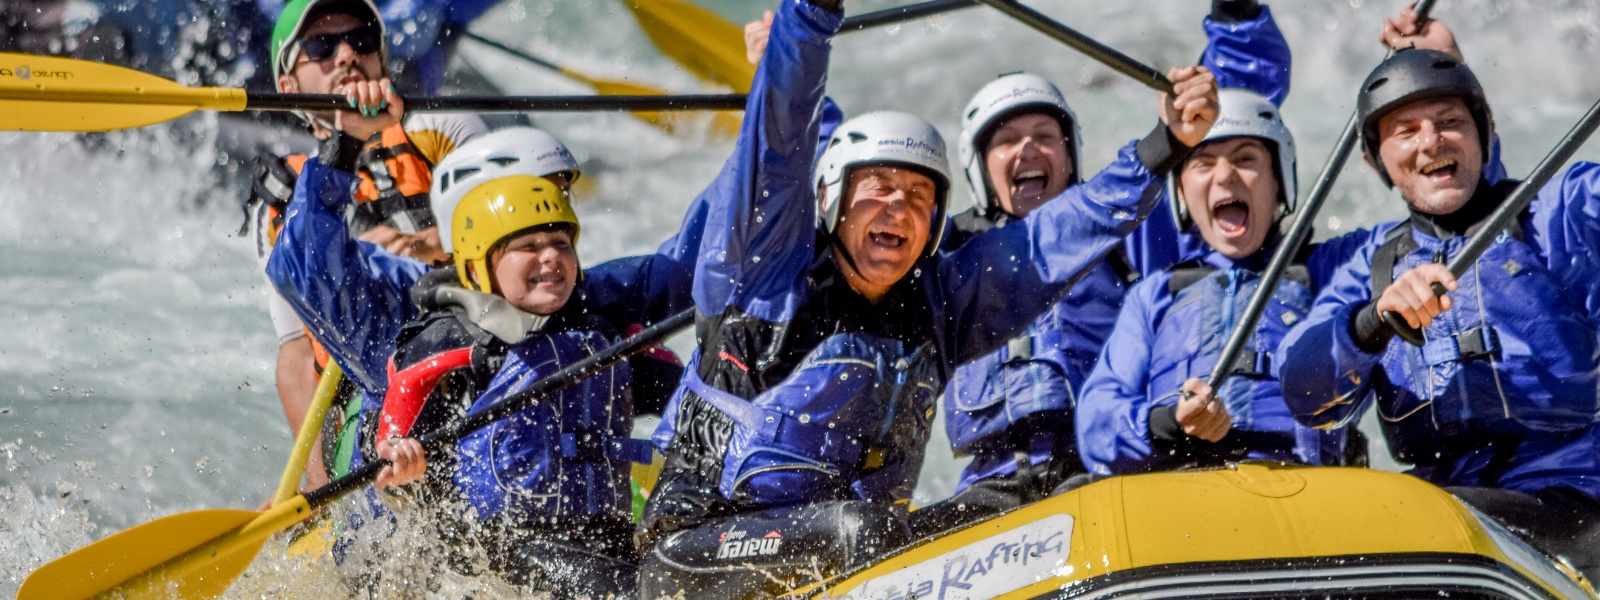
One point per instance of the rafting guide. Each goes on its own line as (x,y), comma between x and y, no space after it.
(1155,371)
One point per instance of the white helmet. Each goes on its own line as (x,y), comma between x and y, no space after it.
(1244,113)
(510,151)
(885,138)
(1009,95)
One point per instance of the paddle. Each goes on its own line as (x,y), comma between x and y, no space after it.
(45,93)
(1506,214)
(198,554)
(607,87)
(1102,53)
(713,47)
(1299,233)
(310,427)
(702,41)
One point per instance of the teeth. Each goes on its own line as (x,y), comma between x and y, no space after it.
(1032,174)
(1438,165)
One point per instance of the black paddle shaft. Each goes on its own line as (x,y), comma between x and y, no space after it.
(1299,233)
(1106,55)
(1507,213)
(265,101)
(540,391)
(890,16)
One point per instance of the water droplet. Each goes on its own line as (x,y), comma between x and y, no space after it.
(804,418)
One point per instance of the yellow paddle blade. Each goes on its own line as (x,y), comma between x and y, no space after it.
(48,93)
(723,122)
(700,40)
(195,554)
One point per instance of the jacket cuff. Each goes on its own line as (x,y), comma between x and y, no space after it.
(1160,152)
(1235,11)
(1164,424)
(1368,331)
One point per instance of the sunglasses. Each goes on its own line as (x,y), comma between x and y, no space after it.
(365,39)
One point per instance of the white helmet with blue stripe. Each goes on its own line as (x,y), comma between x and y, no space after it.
(1244,113)
(884,138)
(1009,95)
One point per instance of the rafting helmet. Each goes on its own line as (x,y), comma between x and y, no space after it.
(1007,96)
(1418,74)
(502,153)
(297,14)
(1243,113)
(884,138)
(496,210)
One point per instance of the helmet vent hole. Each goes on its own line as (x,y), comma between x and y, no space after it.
(857,137)
(1378,83)
(1267,114)
(503,161)
(465,172)
(1444,65)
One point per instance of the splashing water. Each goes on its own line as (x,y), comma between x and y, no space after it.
(136,372)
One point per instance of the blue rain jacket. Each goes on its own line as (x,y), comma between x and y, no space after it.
(1504,392)
(1164,336)
(827,393)
(354,297)
(1039,373)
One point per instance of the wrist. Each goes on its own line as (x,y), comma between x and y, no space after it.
(1368,330)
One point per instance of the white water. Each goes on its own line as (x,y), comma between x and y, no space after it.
(136,367)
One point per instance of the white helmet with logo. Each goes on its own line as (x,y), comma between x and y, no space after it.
(1244,113)
(885,138)
(510,151)
(1007,96)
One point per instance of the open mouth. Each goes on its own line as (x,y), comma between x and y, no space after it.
(885,239)
(1028,184)
(1439,169)
(1231,216)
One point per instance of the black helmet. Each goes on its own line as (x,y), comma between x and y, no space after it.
(1414,74)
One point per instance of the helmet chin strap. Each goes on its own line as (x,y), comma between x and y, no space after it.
(838,244)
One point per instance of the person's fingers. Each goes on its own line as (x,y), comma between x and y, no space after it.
(391,96)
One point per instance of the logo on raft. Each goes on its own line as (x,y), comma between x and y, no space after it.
(25,73)
(737,544)
(986,568)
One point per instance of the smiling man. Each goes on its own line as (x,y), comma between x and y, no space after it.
(1500,402)
(825,335)
(339,47)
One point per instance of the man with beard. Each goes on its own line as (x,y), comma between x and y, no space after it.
(1499,403)
(339,47)
(799,427)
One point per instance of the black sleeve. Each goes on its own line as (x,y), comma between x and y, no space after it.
(1160,151)
(1235,11)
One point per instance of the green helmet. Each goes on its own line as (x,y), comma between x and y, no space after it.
(297,14)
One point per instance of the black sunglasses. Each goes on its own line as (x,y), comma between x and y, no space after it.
(365,39)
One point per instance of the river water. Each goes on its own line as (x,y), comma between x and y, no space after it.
(136,365)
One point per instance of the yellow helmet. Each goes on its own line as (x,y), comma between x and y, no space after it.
(498,209)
